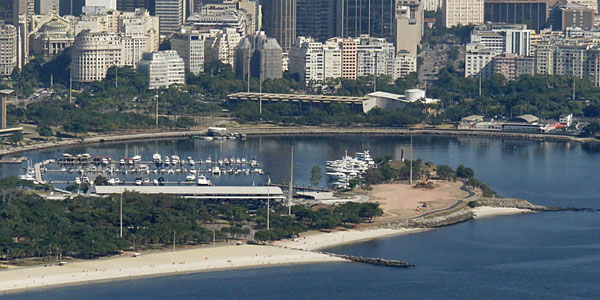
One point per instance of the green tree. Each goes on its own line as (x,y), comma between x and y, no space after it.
(315,175)
(45,131)
(16,137)
(591,129)
(464,172)
(101,180)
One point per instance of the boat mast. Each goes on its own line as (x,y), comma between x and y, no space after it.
(291,181)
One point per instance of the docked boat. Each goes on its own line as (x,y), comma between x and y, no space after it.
(203,181)
(190,177)
(157,158)
(216,171)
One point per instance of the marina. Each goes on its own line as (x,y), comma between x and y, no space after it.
(161,170)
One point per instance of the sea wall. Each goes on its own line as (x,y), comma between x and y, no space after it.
(293,130)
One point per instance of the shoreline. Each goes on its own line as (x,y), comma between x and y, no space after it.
(296,130)
(305,250)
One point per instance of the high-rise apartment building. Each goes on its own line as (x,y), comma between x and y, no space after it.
(432,5)
(462,12)
(408,25)
(8,49)
(533,13)
(512,66)
(220,46)
(478,60)
(162,68)
(307,59)
(259,55)
(348,58)
(170,13)
(316,19)
(279,21)
(189,45)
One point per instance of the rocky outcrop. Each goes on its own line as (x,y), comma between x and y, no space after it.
(440,221)
(505,202)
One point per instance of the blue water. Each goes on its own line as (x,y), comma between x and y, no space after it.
(534,256)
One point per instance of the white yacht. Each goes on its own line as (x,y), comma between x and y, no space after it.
(202,181)
(190,177)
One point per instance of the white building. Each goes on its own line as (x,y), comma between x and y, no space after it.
(162,69)
(170,13)
(405,64)
(307,59)
(478,60)
(8,49)
(220,46)
(189,45)
(109,4)
(515,39)
(94,53)
(462,12)
(432,5)
(220,19)
(374,56)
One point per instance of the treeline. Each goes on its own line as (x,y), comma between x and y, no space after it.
(334,114)
(546,96)
(346,215)
(31,226)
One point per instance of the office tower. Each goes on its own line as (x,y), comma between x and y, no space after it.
(45,6)
(462,12)
(109,4)
(505,38)
(131,5)
(71,7)
(170,13)
(8,49)
(372,17)
(533,13)
(162,68)
(408,25)
(279,21)
(316,19)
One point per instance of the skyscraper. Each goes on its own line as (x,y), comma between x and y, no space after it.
(316,18)
(170,13)
(279,21)
(372,17)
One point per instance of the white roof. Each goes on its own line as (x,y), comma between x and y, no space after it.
(387,95)
(222,191)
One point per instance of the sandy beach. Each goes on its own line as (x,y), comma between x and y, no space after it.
(318,240)
(164,263)
(487,211)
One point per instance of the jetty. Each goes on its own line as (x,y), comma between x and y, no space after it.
(373,261)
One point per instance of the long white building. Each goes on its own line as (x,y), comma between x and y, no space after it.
(162,69)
